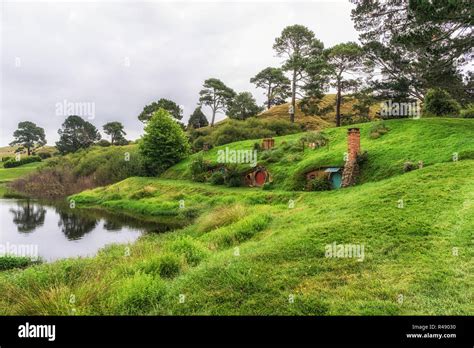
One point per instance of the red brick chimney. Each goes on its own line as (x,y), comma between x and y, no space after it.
(353,142)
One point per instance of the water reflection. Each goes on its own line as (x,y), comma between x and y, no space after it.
(75,226)
(59,231)
(27,216)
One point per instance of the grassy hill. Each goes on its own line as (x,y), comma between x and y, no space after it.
(316,122)
(9,151)
(250,251)
(431,140)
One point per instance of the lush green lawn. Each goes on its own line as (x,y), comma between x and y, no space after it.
(249,252)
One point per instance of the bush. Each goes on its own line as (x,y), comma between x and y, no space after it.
(378,129)
(267,186)
(44,155)
(217,178)
(232,177)
(163,144)
(11,163)
(10,262)
(319,184)
(409,166)
(438,102)
(199,169)
(103,143)
(235,130)
(468,112)
(318,138)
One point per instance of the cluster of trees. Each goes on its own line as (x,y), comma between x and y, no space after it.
(407,49)
(75,133)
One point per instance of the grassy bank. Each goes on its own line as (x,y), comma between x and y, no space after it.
(251,251)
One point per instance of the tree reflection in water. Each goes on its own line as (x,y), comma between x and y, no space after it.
(28,216)
(75,226)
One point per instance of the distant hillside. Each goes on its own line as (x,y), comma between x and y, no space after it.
(8,151)
(314,122)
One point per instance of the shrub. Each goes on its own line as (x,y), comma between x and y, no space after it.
(44,155)
(217,178)
(103,143)
(267,186)
(10,262)
(409,166)
(378,129)
(257,146)
(318,138)
(438,102)
(319,184)
(468,112)
(232,177)
(11,163)
(362,158)
(163,144)
(199,169)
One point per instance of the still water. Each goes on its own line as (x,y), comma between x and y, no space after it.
(56,231)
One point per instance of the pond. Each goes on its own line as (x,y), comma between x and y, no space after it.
(55,231)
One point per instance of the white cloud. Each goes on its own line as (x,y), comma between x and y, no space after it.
(76,52)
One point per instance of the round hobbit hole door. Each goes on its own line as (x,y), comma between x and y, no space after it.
(260,178)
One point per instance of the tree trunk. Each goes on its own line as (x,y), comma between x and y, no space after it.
(293,97)
(213,117)
(28,149)
(269,99)
(338,105)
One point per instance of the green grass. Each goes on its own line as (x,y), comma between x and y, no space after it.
(431,140)
(247,252)
(10,174)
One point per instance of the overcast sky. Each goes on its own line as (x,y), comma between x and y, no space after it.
(118,57)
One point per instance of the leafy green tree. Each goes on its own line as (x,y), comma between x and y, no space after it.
(296,43)
(438,102)
(198,119)
(163,144)
(217,96)
(345,59)
(243,106)
(76,133)
(169,105)
(29,136)
(275,83)
(116,132)
(417,45)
